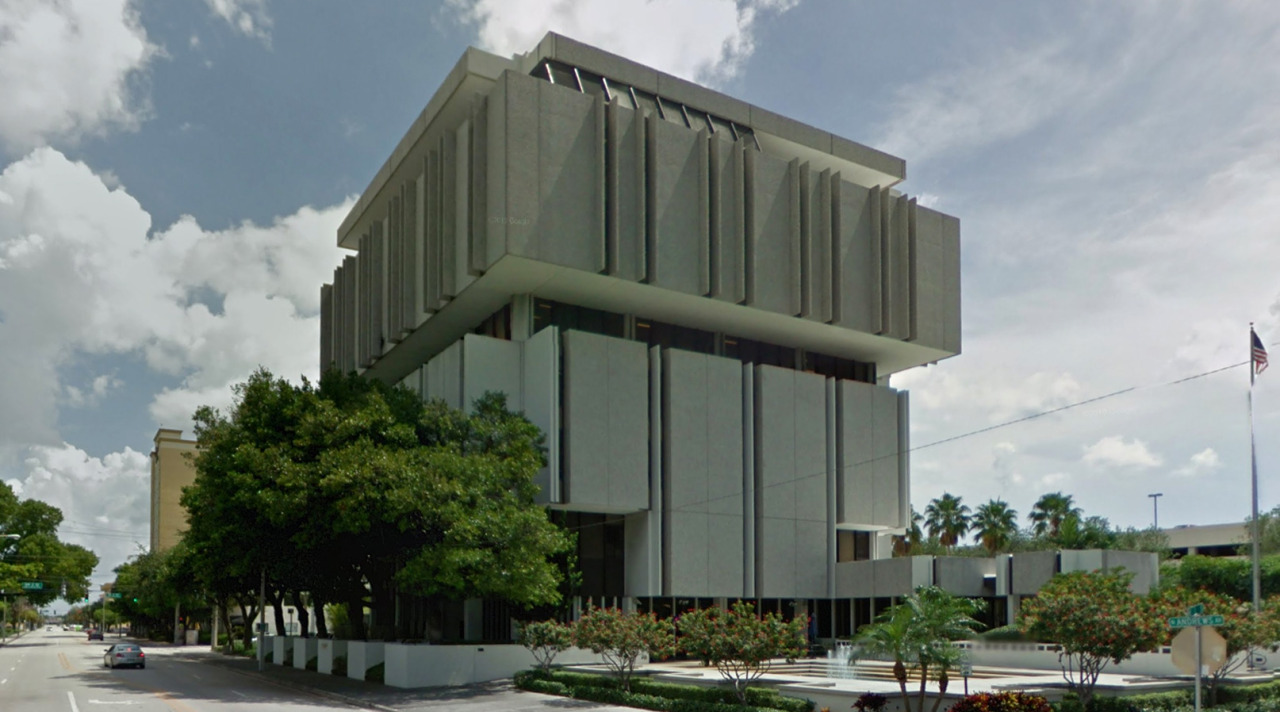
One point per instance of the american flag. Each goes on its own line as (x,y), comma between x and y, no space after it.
(1259,353)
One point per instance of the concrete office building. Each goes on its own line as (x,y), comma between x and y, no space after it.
(172,468)
(699,302)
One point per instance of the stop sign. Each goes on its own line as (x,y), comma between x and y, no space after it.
(1213,650)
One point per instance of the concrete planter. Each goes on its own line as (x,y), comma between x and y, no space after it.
(328,650)
(362,655)
(304,649)
(411,666)
(281,645)
(267,643)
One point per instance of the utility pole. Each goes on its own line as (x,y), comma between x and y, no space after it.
(1155,509)
(262,622)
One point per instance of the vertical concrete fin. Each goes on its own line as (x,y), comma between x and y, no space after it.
(793,174)
(805,238)
(704,214)
(912,247)
(749,493)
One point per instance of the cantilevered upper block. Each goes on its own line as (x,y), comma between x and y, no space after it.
(579,176)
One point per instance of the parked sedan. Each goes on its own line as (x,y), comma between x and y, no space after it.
(124,655)
(95,635)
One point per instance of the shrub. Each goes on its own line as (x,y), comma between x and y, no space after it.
(740,643)
(1159,701)
(1002,702)
(269,657)
(620,638)
(870,702)
(670,697)
(545,640)
(377,673)
(1004,634)
(340,665)
(313,664)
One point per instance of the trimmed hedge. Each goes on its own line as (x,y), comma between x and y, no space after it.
(1248,693)
(648,694)
(377,673)
(340,666)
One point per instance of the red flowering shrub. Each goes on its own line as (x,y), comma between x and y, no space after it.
(1002,702)
(740,643)
(1096,620)
(546,639)
(620,638)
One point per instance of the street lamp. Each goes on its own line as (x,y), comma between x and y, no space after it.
(1155,509)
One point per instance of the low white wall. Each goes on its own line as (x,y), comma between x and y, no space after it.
(304,649)
(1040,656)
(327,650)
(279,645)
(411,666)
(362,655)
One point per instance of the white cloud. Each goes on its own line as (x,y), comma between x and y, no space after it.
(66,69)
(997,393)
(104,501)
(248,17)
(702,40)
(80,274)
(1113,451)
(1201,463)
(92,393)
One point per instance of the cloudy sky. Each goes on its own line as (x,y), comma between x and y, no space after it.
(172,175)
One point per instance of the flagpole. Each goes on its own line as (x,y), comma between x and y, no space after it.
(1253,470)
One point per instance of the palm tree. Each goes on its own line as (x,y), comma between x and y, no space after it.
(918,633)
(995,524)
(909,542)
(947,519)
(1049,512)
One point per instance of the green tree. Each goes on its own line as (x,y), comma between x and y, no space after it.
(1095,619)
(1048,513)
(621,638)
(947,518)
(917,635)
(1075,532)
(740,643)
(995,525)
(1243,629)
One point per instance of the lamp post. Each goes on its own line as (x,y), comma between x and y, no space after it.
(1155,509)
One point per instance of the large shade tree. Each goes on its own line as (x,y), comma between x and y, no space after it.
(358,492)
(995,524)
(947,518)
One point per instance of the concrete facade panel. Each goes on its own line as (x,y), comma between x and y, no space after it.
(521,213)
(1031,570)
(855,453)
(773,269)
(776,558)
(811,559)
(855,264)
(606,423)
(963,576)
(816,246)
(541,399)
(492,365)
(680,242)
(570,227)
(627,193)
(885,490)
(727,221)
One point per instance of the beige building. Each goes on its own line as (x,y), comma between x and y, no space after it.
(172,468)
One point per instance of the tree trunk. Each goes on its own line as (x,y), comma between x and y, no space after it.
(322,626)
(942,689)
(304,618)
(355,615)
(900,674)
(277,602)
(250,620)
(924,682)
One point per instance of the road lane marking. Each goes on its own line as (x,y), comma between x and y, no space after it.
(237,692)
(62,660)
(72,699)
(113,702)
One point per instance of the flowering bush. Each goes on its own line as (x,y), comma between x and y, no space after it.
(870,702)
(546,639)
(1096,620)
(620,638)
(1002,702)
(740,643)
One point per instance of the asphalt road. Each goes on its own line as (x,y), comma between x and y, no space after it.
(57,671)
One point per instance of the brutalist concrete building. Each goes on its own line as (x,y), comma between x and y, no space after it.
(699,302)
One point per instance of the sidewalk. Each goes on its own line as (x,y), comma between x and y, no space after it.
(500,695)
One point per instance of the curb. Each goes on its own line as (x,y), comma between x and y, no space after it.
(336,697)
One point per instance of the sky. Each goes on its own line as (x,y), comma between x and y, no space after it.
(172,175)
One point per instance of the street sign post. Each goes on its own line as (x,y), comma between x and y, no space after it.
(1195,620)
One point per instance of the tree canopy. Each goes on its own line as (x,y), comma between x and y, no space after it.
(352,491)
(31,552)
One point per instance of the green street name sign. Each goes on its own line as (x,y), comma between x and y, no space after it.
(118,595)
(1195,621)
(32,585)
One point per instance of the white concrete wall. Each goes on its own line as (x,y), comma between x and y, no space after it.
(411,666)
(279,645)
(326,651)
(304,649)
(362,655)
